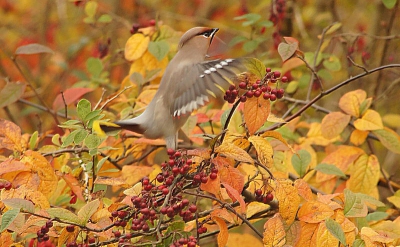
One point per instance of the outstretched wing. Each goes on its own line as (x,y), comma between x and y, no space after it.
(204,80)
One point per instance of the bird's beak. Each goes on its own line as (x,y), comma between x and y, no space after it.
(214,31)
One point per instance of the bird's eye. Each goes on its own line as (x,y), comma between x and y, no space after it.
(207,34)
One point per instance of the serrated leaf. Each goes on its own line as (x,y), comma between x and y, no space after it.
(274,232)
(264,150)
(336,230)
(88,210)
(92,141)
(64,214)
(314,212)
(33,49)
(389,139)
(136,46)
(329,169)
(19,203)
(353,205)
(159,49)
(301,161)
(8,218)
(256,111)
(11,93)
(83,108)
(365,174)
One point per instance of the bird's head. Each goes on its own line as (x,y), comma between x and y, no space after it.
(197,40)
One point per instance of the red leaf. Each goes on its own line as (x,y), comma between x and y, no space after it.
(70,96)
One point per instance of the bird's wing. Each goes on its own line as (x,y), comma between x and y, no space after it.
(201,81)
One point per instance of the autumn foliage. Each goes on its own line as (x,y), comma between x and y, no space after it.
(302,151)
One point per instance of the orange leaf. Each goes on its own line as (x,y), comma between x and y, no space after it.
(133,174)
(12,165)
(288,198)
(212,186)
(228,174)
(333,124)
(308,236)
(351,101)
(264,150)
(47,179)
(274,232)
(365,174)
(136,46)
(223,234)
(374,236)
(234,152)
(70,96)
(303,189)
(358,137)
(256,111)
(10,136)
(371,120)
(222,213)
(314,212)
(342,158)
(26,193)
(235,196)
(74,184)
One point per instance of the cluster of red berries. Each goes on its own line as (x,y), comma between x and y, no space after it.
(5,185)
(189,242)
(264,198)
(278,9)
(42,235)
(260,87)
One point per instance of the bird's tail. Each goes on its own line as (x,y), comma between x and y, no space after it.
(117,126)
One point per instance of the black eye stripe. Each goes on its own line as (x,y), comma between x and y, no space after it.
(206,33)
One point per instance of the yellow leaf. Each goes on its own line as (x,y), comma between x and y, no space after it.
(136,46)
(333,124)
(293,233)
(358,137)
(223,234)
(274,119)
(134,190)
(255,208)
(10,136)
(256,111)
(389,138)
(237,139)
(351,101)
(288,198)
(308,236)
(278,136)
(365,174)
(392,120)
(264,150)
(133,174)
(375,236)
(26,193)
(371,120)
(274,232)
(243,239)
(341,158)
(98,129)
(395,199)
(324,237)
(303,189)
(314,212)
(315,137)
(234,152)
(40,167)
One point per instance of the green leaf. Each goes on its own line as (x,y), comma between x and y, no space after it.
(250,19)
(370,199)
(11,93)
(377,216)
(336,230)
(333,28)
(100,163)
(176,226)
(94,66)
(92,115)
(358,243)
(329,169)
(250,46)
(254,66)
(332,63)
(159,49)
(137,78)
(33,49)
(64,214)
(324,74)
(33,140)
(88,210)
(19,203)
(90,8)
(389,139)
(265,23)
(105,18)
(236,40)
(92,141)
(292,87)
(56,140)
(83,108)
(389,4)
(80,136)
(69,139)
(8,217)
(301,161)
(88,20)
(353,205)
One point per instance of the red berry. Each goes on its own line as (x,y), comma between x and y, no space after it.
(44,229)
(70,228)
(145,211)
(270,197)
(145,182)
(258,192)
(266,96)
(232,87)
(165,191)
(145,227)
(177,154)
(284,79)
(204,179)
(243,98)
(163,210)
(213,175)
(185,202)
(191,244)
(49,224)
(170,151)
(242,85)
(160,178)
(122,214)
(268,70)
(274,91)
(196,178)
(91,240)
(193,208)
(254,86)
(277,74)
(249,94)
(45,237)
(171,162)
(272,97)
(117,234)
(257,93)
(152,22)
(7,185)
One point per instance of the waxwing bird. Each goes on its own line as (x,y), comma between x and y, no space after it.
(187,84)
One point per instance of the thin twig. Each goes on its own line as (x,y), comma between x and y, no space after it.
(114,97)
